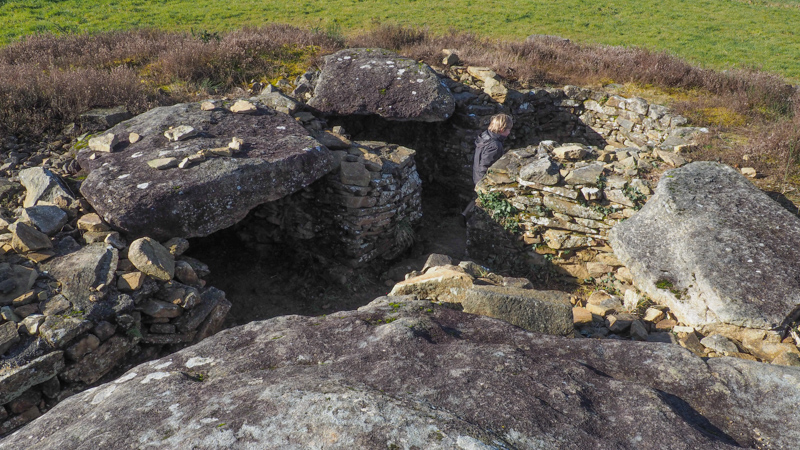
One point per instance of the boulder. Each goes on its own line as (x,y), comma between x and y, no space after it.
(213,193)
(152,258)
(41,185)
(99,362)
(362,81)
(402,373)
(547,312)
(714,249)
(82,272)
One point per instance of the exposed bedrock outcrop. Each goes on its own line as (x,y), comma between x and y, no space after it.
(229,163)
(375,81)
(405,373)
(715,249)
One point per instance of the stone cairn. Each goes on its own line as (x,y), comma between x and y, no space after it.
(78,301)
(366,208)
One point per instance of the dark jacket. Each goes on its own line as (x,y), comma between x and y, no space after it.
(488,149)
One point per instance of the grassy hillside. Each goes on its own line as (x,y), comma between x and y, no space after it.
(713,33)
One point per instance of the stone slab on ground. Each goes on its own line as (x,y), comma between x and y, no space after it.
(547,312)
(278,158)
(422,380)
(375,81)
(714,249)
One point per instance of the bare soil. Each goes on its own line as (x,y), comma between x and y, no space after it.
(262,285)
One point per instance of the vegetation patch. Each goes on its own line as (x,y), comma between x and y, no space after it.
(500,209)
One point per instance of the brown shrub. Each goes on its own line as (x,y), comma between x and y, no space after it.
(33,100)
(47,80)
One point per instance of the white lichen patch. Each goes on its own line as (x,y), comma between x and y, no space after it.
(155,376)
(143,185)
(137,155)
(163,365)
(126,378)
(104,394)
(281,127)
(122,177)
(209,420)
(198,361)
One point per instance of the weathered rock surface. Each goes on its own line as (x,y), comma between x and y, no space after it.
(48,219)
(547,312)
(41,184)
(278,157)
(353,380)
(152,258)
(375,81)
(714,248)
(82,272)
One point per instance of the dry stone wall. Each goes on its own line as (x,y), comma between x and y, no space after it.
(566,115)
(365,209)
(555,204)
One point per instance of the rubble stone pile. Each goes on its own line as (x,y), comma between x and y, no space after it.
(78,302)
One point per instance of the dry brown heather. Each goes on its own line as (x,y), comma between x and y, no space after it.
(48,80)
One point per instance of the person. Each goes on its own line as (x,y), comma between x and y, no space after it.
(489,145)
(488,149)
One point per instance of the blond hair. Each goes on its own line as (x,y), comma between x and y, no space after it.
(500,123)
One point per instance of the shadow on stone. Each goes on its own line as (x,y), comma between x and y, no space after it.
(695,419)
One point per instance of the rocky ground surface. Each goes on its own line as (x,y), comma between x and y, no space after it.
(404,373)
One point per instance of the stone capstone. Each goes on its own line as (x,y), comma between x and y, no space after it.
(214,192)
(410,373)
(714,249)
(360,81)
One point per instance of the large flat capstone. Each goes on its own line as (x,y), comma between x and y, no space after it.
(277,157)
(400,373)
(376,81)
(714,249)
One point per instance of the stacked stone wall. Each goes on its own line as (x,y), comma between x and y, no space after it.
(365,209)
(567,115)
(89,305)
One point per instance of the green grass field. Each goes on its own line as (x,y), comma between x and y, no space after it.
(712,33)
